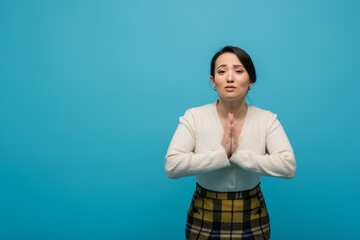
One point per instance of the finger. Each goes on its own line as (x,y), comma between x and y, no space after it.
(234,142)
(236,145)
(229,134)
(229,124)
(232,122)
(231,117)
(229,120)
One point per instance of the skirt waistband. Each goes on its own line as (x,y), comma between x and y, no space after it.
(203,192)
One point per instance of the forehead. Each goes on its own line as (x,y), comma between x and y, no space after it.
(228,59)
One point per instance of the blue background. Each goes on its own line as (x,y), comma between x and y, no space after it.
(91,93)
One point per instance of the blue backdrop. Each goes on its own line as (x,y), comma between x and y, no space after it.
(91,93)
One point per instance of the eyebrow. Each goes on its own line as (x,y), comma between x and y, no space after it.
(224,65)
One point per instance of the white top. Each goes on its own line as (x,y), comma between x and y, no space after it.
(196,150)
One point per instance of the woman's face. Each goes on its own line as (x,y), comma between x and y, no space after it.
(229,71)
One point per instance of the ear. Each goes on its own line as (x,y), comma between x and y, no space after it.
(212,81)
(251,84)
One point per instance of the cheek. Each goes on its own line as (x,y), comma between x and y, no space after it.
(244,79)
(219,79)
(244,82)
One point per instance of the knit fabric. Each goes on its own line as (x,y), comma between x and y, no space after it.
(195,150)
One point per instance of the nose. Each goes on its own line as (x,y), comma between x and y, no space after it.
(230,77)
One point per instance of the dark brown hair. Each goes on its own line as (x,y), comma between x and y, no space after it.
(243,57)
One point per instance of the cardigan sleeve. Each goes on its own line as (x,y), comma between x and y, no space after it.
(181,161)
(279,161)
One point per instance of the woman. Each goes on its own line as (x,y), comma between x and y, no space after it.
(228,145)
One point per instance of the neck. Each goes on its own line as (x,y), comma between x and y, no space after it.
(238,108)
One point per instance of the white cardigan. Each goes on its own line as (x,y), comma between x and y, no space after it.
(196,150)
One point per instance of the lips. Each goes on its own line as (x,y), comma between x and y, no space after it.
(229,89)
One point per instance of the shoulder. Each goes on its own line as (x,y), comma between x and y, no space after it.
(198,110)
(197,114)
(265,118)
(263,114)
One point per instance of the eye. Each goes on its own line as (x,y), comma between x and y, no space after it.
(221,72)
(239,71)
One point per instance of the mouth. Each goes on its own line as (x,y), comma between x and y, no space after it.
(229,89)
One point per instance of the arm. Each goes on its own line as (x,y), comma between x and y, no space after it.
(181,161)
(280,162)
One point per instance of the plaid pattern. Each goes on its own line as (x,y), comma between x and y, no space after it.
(227,215)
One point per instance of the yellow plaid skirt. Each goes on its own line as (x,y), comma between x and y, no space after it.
(227,215)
